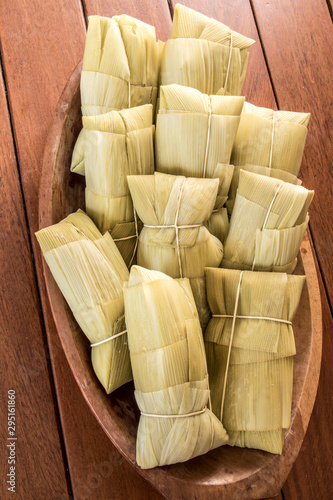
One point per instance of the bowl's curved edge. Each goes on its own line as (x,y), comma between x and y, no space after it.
(261,483)
(51,146)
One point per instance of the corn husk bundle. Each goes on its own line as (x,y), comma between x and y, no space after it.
(163,202)
(204,54)
(90,272)
(118,143)
(169,371)
(268,143)
(120,70)
(255,404)
(267,224)
(194,137)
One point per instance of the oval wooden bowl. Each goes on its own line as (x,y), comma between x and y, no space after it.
(225,472)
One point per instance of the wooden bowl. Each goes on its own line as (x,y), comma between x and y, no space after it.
(222,473)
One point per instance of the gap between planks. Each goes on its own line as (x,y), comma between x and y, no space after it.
(35,278)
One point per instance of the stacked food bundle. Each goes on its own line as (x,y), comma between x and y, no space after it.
(120,70)
(174,239)
(204,54)
(117,144)
(267,224)
(90,273)
(269,143)
(250,347)
(249,340)
(203,128)
(170,371)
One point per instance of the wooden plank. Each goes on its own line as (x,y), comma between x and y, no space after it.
(238,16)
(44,59)
(36,452)
(311,475)
(301,78)
(300,75)
(154,12)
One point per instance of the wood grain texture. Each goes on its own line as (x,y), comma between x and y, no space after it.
(41,41)
(302,77)
(238,16)
(311,475)
(24,368)
(154,12)
(302,81)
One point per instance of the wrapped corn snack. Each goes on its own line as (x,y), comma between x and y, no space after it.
(174,239)
(250,346)
(267,225)
(204,54)
(169,371)
(117,144)
(268,143)
(120,70)
(173,210)
(194,137)
(90,272)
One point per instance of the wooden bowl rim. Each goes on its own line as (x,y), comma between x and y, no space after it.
(266,481)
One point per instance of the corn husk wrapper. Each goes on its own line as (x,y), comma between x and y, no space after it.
(199,53)
(157,199)
(90,272)
(169,370)
(194,137)
(266,228)
(257,405)
(120,70)
(118,143)
(269,143)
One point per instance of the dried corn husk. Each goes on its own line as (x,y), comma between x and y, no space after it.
(118,143)
(169,371)
(269,143)
(267,225)
(120,70)
(163,201)
(204,54)
(90,272)
(257,404)
(194,137)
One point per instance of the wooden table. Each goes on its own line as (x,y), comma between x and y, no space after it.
(61,451)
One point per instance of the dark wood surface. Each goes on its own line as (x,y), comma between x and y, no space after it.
(61,448)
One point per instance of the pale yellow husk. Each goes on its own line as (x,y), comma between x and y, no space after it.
(90,272)
(117,144)
(269,143)
(120,70)
(169,370)
(194,137)
(275,246)
(258,394)
(156,199)
(200,51)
